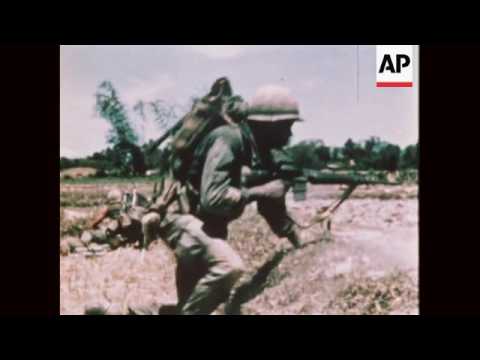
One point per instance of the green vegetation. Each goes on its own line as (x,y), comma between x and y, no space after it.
(127,155)
(372,154)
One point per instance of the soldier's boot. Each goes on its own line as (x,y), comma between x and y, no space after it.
(72,244)
(150,228)
(103,308)
(151,308)
(168,309)
(225,267)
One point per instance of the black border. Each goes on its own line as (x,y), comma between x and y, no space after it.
(31,134)
(448,115)
(449,246)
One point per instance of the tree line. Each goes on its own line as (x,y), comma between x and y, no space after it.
(124,159)
(371,154)
(126,153)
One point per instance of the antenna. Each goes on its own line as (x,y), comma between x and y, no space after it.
(358,73)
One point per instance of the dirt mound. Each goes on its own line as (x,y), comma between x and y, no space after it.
(78,172)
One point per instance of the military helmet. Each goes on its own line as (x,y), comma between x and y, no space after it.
(115,196)
(273,103)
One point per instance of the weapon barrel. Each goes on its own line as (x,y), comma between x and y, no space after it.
(256,177)
(333,179)
(162,138)
(328,178)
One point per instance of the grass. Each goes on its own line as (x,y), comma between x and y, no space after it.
(292,284)
(395,292)
(78,172)
(70,227)
(79,199)
(109,180)
(404,176)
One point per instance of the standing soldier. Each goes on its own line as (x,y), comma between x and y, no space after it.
(207,267)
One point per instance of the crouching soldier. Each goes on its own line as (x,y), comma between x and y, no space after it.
(118,223)
(207,266)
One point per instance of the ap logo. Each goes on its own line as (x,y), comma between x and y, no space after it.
(394,66)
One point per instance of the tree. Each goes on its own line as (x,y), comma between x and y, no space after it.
(372,154)
(128,155)
(348,150)
(337,154)
(357,153)
(157,111)
(371,144)
(65,163)
(130,159)
(110,108)
(389,158)
(409,157)
(310,154)
(381,155)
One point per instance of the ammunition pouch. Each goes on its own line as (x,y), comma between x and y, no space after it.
(188,199)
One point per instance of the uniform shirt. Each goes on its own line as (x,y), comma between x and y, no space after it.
(116,221)
(216,174)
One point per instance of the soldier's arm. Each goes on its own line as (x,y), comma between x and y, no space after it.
(217,194)
(275,213)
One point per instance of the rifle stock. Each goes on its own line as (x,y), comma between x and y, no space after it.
(162,138)
(318,177)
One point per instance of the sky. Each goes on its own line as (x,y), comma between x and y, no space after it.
(323,79)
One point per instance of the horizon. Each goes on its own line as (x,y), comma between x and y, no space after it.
(331,147)
(322,78)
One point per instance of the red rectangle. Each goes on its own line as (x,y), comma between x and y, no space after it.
(395,84)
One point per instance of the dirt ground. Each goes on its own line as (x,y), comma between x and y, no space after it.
(368,266)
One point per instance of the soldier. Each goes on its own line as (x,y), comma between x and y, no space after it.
(118,222)
(207,267)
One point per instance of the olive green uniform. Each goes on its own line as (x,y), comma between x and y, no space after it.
(118,228)
(207,267)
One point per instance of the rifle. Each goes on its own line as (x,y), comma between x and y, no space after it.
(300,177)
(283,168)
(161,139)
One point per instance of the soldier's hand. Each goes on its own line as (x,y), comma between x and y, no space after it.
(274,190)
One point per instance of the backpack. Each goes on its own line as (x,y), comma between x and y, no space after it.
(218,107)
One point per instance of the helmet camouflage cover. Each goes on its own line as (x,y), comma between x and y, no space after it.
(273,103)
(114,196)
